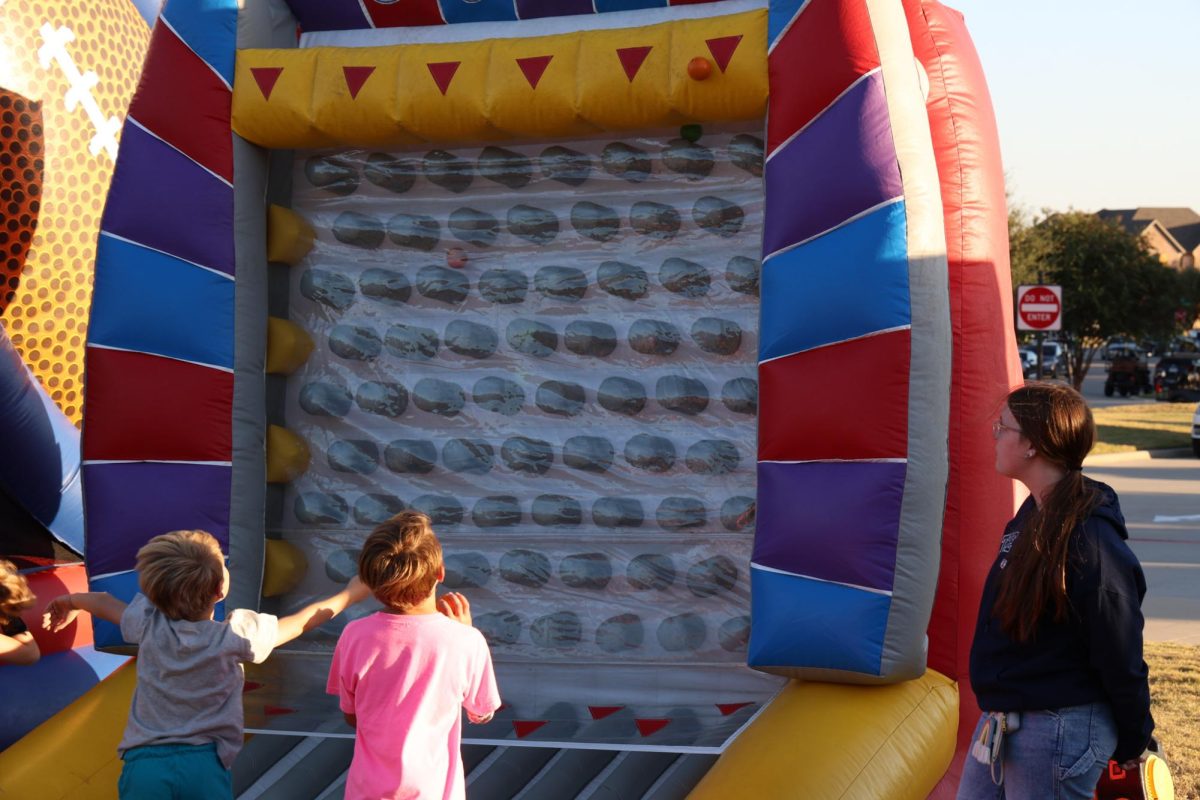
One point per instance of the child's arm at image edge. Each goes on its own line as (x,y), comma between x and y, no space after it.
(316,614)
(63,609)
(20,649)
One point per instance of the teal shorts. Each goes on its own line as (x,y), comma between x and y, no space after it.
(174,772)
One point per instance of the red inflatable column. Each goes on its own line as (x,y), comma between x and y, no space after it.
(978,500)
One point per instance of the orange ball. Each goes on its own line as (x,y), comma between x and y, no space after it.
(699,68)
(456,257)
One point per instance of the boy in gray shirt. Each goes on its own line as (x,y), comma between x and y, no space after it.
(186,725)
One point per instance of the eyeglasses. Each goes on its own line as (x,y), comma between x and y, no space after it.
(999,427)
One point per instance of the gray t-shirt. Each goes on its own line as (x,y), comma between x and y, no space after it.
(189,676)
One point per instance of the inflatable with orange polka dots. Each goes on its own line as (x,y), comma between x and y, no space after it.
(68,69)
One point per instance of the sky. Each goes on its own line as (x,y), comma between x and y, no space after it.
(1098,103)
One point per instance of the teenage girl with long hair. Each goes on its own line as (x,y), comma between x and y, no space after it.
(1056,663)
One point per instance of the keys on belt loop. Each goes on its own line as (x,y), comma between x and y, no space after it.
(1000,724)
(989,747)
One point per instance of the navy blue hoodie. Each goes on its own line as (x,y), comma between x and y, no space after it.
(1095,654)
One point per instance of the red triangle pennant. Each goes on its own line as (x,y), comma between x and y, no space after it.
(722,49)
(250,686)
(649,726)
(525,727)
(265,77)
(728,708)
(600,712)
(275,711)
(443,73)
(355,78)
(632,58)
(533,67)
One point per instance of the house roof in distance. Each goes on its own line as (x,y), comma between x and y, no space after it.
(1182,223)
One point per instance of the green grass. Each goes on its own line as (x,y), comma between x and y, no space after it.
(1174,697)
(1144,426)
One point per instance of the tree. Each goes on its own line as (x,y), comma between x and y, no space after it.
(1189,298)
(1112,283)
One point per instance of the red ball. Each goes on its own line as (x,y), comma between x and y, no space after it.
(457,258)
(699,68)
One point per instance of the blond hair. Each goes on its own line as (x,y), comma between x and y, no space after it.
(182,573)
(400,560)
(15,595)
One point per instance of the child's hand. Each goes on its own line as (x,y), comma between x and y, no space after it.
(479,720)
(59,614)
(456,607)
(357,590)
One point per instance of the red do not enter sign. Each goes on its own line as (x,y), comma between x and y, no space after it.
(1039,308)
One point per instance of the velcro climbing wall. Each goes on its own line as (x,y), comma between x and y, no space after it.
(550,349)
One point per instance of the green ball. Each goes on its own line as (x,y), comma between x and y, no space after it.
(691,133)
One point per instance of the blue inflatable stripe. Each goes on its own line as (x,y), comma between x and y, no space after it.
(779,15)
(840,286)
(121,585)
(209,27)
(152,302)
(124,587)
(800,622)
(454,11)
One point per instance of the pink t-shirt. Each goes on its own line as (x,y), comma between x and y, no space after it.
(407,677)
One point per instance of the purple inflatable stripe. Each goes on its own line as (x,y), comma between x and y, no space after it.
(128,503)
(842,164)
(162,199)
(329,15)
(529,9)
(835,521)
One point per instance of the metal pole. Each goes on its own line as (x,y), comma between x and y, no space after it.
(1040,337)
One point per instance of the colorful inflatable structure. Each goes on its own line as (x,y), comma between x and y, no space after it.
(67,71)
(684,322)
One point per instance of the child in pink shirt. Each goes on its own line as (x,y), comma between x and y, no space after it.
(404,674)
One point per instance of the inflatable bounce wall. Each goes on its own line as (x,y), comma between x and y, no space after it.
(685,323)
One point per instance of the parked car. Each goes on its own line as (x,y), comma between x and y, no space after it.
(1054,359)
(1028,357)
(1177,377)
(1182,344)
(1128,373)
(1196,432)
(1115,344)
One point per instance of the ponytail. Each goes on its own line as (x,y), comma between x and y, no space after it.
(1035,581)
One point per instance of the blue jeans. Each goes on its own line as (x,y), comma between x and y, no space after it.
(1054,755)
(174,772)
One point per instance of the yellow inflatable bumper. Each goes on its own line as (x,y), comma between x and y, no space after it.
(820,741)
(73,755)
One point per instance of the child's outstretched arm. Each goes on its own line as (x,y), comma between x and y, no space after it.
(19,649)
(320,612)
(63,609)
